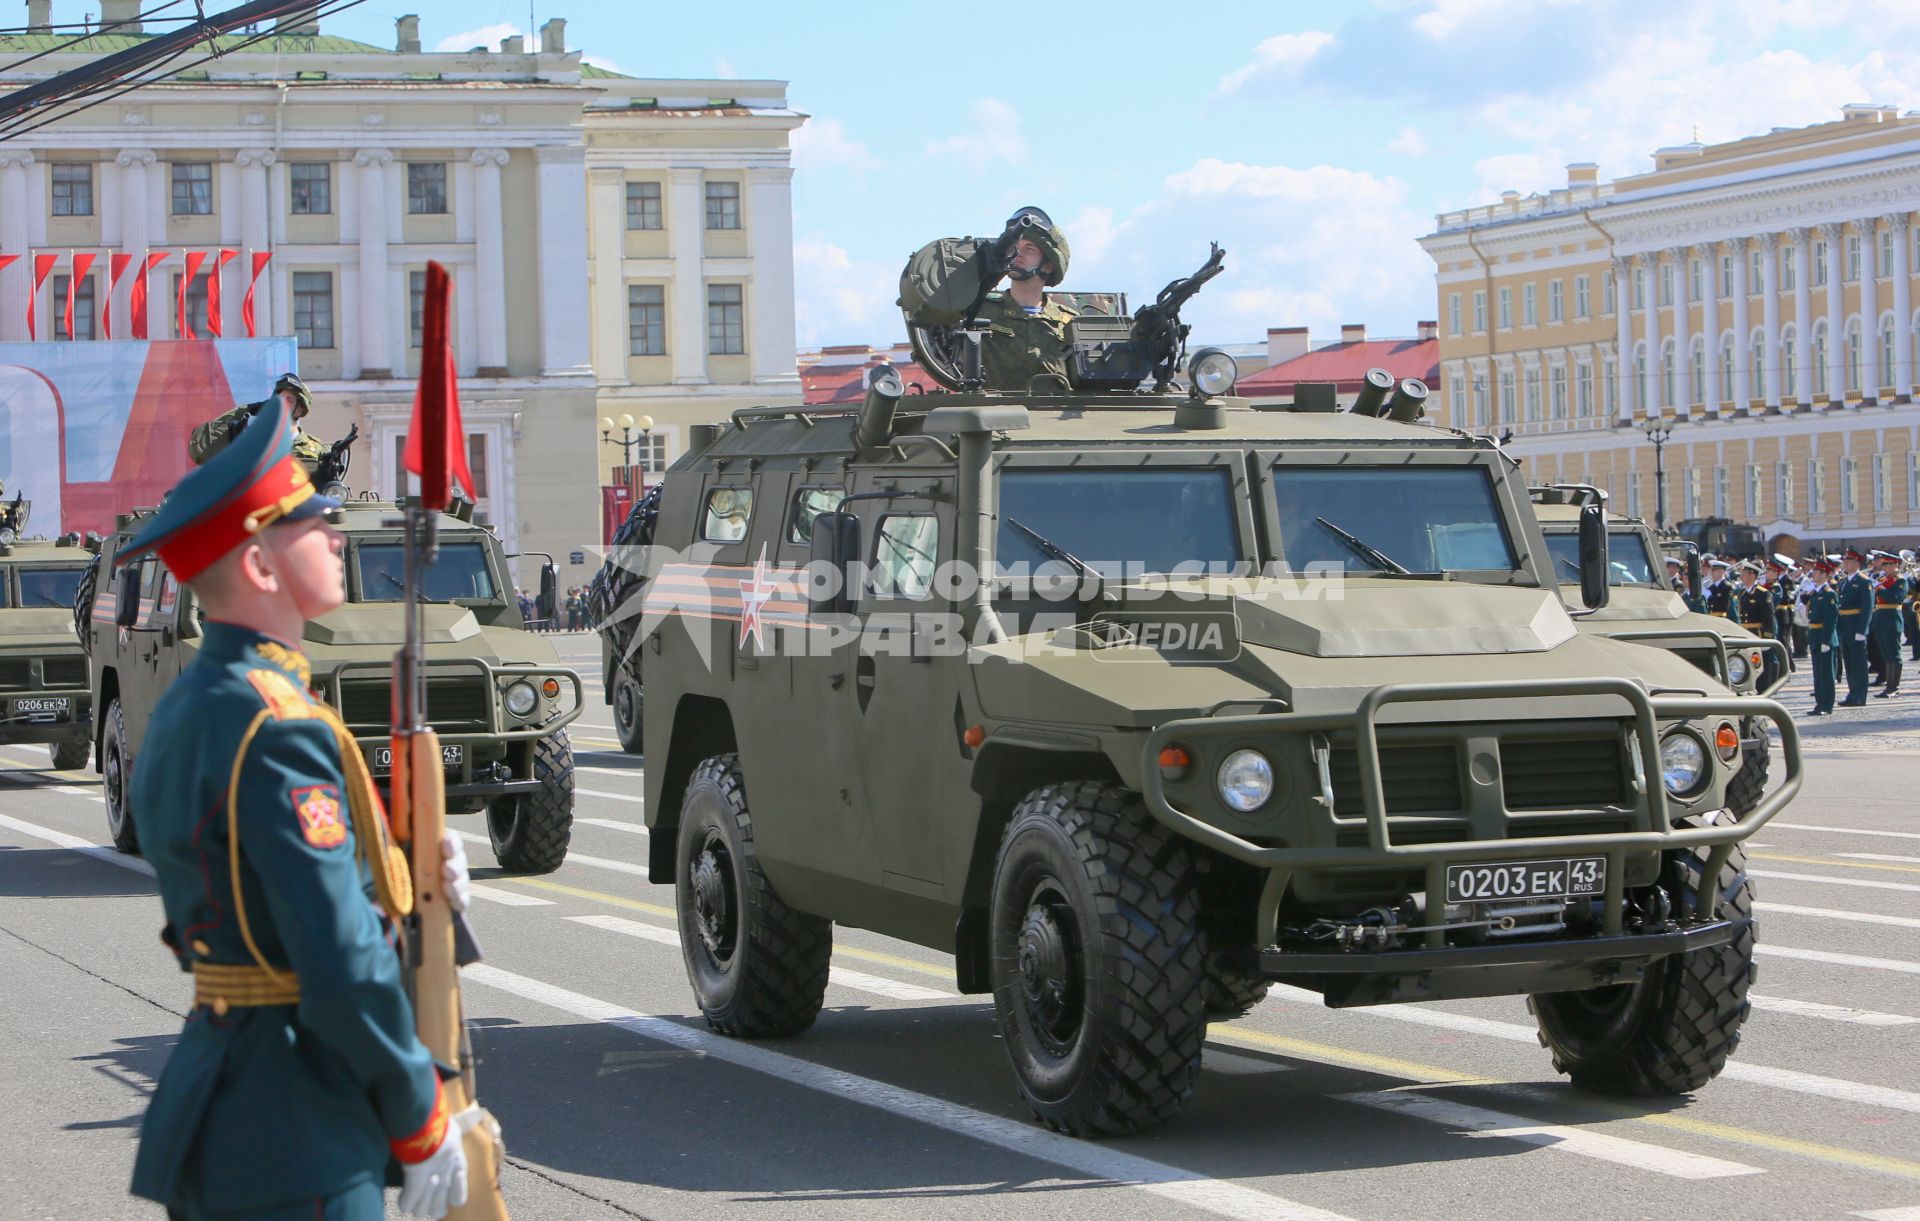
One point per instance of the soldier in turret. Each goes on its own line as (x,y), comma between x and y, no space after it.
(216,434)
(1026,330)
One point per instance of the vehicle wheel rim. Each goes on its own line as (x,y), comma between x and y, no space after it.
(1604,1003)
(110,780)
(715,905)
(623,704)
(1047,959)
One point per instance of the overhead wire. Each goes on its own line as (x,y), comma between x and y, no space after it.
(105,27)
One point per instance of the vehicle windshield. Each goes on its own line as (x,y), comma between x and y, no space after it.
(1118,521)
(48,587)
(1425,519)
(459,574)
(1627,558)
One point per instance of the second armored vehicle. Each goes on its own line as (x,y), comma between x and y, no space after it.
(43,674)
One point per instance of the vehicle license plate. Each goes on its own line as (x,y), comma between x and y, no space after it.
(450,757)
(1583,875)
(42,706)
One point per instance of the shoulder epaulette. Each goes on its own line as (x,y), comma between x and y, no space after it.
(284,700)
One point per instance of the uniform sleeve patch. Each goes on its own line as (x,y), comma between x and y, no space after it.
(286,701)
(318,808)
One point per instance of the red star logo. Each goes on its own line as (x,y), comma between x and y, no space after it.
(754,595)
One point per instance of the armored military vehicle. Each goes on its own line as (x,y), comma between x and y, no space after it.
(43,674)
(1135,701)
(496,693)
(1641,607)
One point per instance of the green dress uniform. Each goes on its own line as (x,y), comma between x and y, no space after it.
(1889,597)
(1856,603)
(1020,346)
(298,1080)
(1823,635)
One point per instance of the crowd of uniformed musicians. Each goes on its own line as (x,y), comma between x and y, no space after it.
(1850,614)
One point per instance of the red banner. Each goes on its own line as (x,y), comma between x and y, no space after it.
(436,442)
(213,290)
(260,258)
(137,297)
(8,260)
(82,263)
(183,326)
(43,265)
(116,267)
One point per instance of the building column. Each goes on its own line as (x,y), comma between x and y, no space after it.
(1622,338)
(137,221)
(376,359)
(1802,315)
(1898,223)
(606,205)
(1742,346)
(770,319)
(1653,391)
(14,239)
(256,215)
(1709,255)
(565,346)
(1869,310)
(686,241)
(489,264)
(1682,331)
(1836,237)
(1770,314)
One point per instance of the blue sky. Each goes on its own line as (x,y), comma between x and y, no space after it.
(1314,140)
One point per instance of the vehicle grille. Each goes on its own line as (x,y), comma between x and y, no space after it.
(15,675)
(453,703)
(1563,773)
(1419,779)
(64,671)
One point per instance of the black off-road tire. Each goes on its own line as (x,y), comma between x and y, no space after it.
(1672,1032)
(530,831)
(758,967)
(116,781)
(629,711)
(1097,960)
(72,754)
(1228,994)
(1749,784)
(83,596)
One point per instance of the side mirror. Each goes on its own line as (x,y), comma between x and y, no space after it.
(1693,574)
(831,559)
(1594,573)
(126,593)
(549,585)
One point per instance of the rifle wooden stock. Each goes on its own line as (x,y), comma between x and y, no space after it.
(420,804)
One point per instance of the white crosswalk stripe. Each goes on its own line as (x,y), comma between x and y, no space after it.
(1807,826)
(1891,1214)
(1845,960)
(1829,880)
(508,898)
(612,824)
(1832,1013)
(1830,914)
(634,798)
(1879,856)
(574,858)
(630,928)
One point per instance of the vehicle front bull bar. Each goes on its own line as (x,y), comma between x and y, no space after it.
(494,676)
(1655,834)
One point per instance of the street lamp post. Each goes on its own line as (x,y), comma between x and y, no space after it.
(627,442)
(1659,432)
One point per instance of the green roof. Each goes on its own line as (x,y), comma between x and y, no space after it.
(589,72)
(274,44)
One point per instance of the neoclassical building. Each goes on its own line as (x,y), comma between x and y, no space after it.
(1762,293)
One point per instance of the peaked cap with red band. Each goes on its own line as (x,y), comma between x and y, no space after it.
(253,483)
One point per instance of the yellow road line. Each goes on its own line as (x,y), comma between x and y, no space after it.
(1426,1074)
(1827,860)
(1786,1144)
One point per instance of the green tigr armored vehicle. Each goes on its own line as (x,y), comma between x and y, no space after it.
(1241,696)
(43,674)
(496,693)
(1641,607)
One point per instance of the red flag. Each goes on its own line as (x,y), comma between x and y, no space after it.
(8,260)
(42,268)
(260,258)
(116,267)
(213,290)
(182,323)
(137,297)
(436,444)
(82,263)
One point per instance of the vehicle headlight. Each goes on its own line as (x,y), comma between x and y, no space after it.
(1212,373)
(1245,780)
(1737,670)
(1683,763)
(521,698)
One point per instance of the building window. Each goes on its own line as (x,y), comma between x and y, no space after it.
(1720,497)
(1633,493)
(310,186)
(313,309)
(646,320)
(1607,292)
(1882,482)
(1699,362)
(1610,372)
(1726,275)
(426,188)
(192,188)
(1853,257)
(1757,356)
(1453,313)
(1789,349)
(1753,490)
(1783,488)
(1695,286)
(1726,370)
(1886,356)
(1787,272)
(1820,264)
(82,308)
(1639,288)
(1819,370)
(1582,296)
(1506,309)
(1480,418)
(1913,480)
(1853,358)
(1886,253)
(72,189)
(1457,398)
(726,320)
(1530,305)
(1583,392)
(1690,492)
(1816,487)
(1507,412)
(196,307)
(1559,399)
(1556,301)
(643,205)
(1666,283)
(723,205)
(1533,395)
(1849,485)
(1668,396)
(416,306)
(1479,311)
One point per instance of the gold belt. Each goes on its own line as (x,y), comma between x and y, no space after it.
(1854,611)
(222,986)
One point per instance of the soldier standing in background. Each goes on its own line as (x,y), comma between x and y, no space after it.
(1823,619)
(1782,586)
(1751,606)
(1856,603)
(1912,614)
(1889,599)
(1719,590)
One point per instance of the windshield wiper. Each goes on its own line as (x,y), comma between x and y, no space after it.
(1055,551)
(1571,566)
(1365,550)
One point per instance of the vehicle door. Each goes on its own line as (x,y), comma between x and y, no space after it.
(142,649)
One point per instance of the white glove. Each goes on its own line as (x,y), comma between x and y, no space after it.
(1826,648)
(440,1183)
(453,871)
(1861,636)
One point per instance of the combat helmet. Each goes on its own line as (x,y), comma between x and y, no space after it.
(1042,232)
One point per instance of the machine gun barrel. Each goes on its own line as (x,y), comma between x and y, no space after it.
(1157,329)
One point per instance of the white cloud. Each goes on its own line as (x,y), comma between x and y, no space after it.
(840,299)
(487,36)
(993,134)
(1279,56)
(724,69)
(824,142)
(1409,143)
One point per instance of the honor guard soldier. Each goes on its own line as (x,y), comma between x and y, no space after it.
(1856,604)
(1913,604)
(1751,607)
(1677,579)
(1719,589)
(1889,600)
(1781,585)
(1823,634)
(298,1082)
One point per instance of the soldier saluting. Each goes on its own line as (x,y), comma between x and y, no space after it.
(1026,330)
(298,1080)
(289,392)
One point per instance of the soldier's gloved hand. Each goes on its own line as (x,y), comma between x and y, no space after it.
(454,877)
(440,1183)
(1861,636)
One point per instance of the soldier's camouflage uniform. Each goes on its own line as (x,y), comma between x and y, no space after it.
(1022,346)
(213,436)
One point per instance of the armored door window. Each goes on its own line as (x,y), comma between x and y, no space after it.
(905,552)
(729,511)
(48,587)
(808,504)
